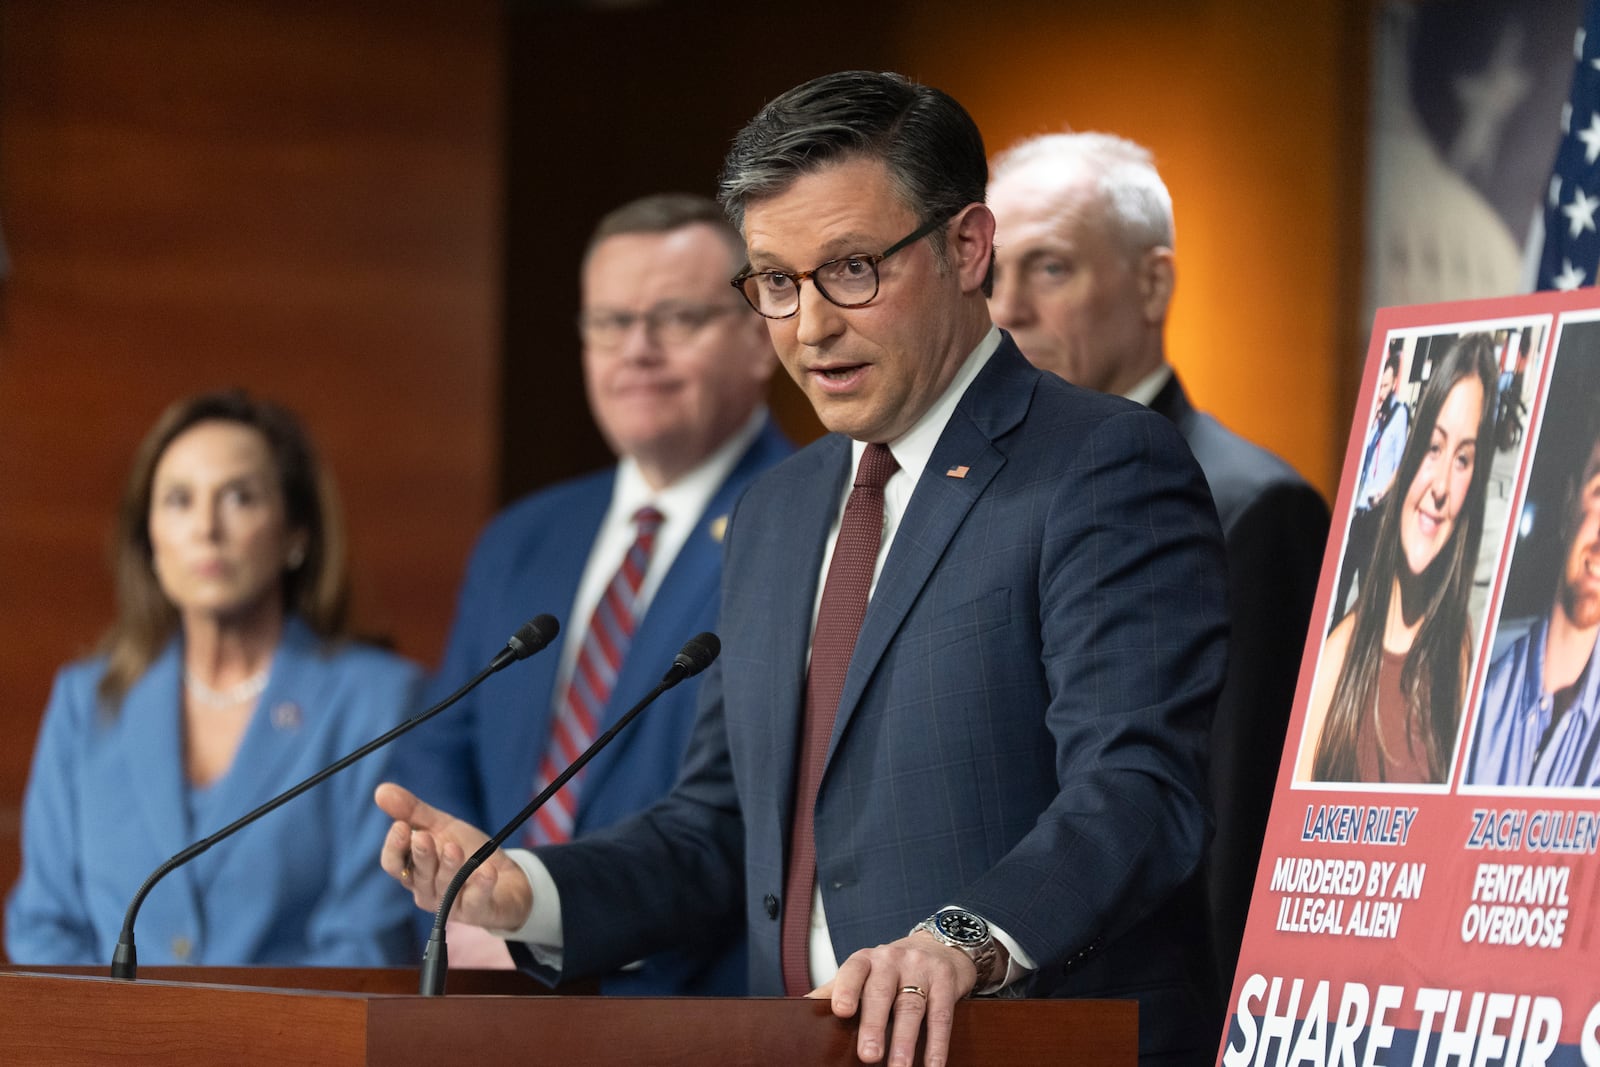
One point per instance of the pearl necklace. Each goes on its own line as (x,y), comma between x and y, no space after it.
(233,695)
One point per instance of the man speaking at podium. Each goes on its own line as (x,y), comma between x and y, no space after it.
(972,642)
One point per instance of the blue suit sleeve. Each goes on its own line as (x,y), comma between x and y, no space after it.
(1133,629)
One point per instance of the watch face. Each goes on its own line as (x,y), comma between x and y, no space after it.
(962,927)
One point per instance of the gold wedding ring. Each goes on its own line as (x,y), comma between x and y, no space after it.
(918,990)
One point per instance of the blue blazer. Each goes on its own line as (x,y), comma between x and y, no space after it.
(105,806)
(478,759)
(1022,730)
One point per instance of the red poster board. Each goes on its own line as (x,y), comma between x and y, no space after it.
(1427,889)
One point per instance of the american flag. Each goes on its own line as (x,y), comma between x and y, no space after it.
(1571,254)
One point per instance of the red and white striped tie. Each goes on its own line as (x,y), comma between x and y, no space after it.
(599,659)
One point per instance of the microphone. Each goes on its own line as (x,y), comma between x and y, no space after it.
(695,656)
(530,637)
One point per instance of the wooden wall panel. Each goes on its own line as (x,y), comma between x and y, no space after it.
(1255,114)
(303,198)
(306,198)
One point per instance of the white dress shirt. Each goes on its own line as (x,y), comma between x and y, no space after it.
(681,505)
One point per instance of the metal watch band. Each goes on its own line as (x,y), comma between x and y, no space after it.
(983,955)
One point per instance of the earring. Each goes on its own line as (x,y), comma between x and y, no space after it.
(297,556)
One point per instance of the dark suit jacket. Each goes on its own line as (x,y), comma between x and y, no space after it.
(1022,731)
(478,760)
(1276,527)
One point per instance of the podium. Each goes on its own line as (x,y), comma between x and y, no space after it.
(175,1016)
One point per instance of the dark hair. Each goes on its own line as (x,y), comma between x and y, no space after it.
(1578,446)
(317,590)
(1392,361)
(663,213)
(930,144)
(1435,668)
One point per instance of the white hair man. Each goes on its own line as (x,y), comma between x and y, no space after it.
(1084,275)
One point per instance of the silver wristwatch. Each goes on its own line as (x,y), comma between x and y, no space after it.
(961,929)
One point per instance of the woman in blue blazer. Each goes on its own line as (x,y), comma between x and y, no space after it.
(226,677)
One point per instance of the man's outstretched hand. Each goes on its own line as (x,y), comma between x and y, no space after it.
(426,847)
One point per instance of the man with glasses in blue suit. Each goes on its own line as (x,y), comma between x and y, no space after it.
(676,369)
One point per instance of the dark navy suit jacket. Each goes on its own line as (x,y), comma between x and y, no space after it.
(478,760)
(1022,731)
(1276,528)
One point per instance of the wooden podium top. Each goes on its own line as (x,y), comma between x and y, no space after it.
(176,1016)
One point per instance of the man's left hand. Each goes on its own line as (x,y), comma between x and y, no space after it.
(885,981)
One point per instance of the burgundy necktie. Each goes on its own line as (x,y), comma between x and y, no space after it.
(844,605)
(595,672)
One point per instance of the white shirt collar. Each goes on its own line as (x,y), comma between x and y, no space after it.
(1145,389)
(913,448)
(683,506)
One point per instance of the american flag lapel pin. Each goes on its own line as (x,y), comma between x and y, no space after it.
(957,472)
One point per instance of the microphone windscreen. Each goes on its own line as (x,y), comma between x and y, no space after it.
(533,635)
(697,653)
